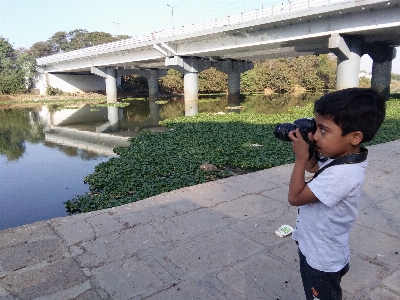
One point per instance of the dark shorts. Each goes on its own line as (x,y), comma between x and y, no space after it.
(321,285)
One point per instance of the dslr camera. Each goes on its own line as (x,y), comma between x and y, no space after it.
(305,126)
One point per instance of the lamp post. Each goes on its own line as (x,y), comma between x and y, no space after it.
(117,23)
(172,8)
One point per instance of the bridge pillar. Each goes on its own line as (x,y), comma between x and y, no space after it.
(382,57)
(190,67)
(111,85)
(152,76)
(233,89)
(191,92)
(110,75)
(233,68)
(153,84)
(348,52)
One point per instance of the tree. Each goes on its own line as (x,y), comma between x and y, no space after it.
(364,82)
(273,74)
(40,49)
(395,76)
(27,63)
(172,82)
(327,70)
(77,39)
(212,80)
(247,81)
(134,84)
(6,50)
(63,41)
(12,78)
(58,42)
(281,75)
(98,37)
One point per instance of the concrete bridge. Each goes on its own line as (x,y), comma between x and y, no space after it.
(347,28)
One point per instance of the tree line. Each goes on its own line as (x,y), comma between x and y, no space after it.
(312,73)
(18,69)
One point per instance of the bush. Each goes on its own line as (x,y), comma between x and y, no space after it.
(172,82)
(365,82)
(213,81)
(52,91)
(12,82)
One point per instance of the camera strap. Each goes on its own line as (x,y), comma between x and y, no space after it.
(352,158)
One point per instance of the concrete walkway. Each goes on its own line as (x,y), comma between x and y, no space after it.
(210,241)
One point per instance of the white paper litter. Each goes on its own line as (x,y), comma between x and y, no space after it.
(284,230)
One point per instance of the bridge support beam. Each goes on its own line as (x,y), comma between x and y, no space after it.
(382,57)
(348,52)
(190,67)
(233,68)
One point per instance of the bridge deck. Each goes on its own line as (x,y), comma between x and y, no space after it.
(241,33)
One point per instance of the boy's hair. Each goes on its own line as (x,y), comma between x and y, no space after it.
(353,109)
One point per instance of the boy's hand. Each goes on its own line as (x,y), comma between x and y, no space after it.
(299,145)
(299,192)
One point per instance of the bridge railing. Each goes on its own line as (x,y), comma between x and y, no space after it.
(273,11)
(270,12)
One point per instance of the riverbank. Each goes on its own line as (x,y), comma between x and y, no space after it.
(172,160)
(22,100)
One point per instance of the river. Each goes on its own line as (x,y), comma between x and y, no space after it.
(46,150)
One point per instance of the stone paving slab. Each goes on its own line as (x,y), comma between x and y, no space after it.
(210,241)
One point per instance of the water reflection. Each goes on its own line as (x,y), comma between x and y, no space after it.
(100,129)
(45,151)
(16,127)
(34,187)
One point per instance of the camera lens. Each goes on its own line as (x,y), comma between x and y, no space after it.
(282,131)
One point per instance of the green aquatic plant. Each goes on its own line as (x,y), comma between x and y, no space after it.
(134,99)
(158,162)
(117,104)
(161,102)
(207,100)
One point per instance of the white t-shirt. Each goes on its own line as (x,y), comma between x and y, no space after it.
(323,227)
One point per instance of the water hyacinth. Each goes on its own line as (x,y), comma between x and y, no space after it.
(158,162)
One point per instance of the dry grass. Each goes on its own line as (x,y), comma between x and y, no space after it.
(268,91)
(33,97)
(298,90)
(395,86)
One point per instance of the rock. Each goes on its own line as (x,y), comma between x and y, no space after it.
(209,167)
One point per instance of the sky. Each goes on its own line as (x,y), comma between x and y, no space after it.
(25,22)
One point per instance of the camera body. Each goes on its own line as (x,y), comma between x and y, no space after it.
(305,125)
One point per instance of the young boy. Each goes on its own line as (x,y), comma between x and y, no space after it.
(329,202)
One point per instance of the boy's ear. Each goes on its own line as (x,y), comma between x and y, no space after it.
(356,138)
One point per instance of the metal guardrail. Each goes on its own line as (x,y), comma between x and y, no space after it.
(273,11)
